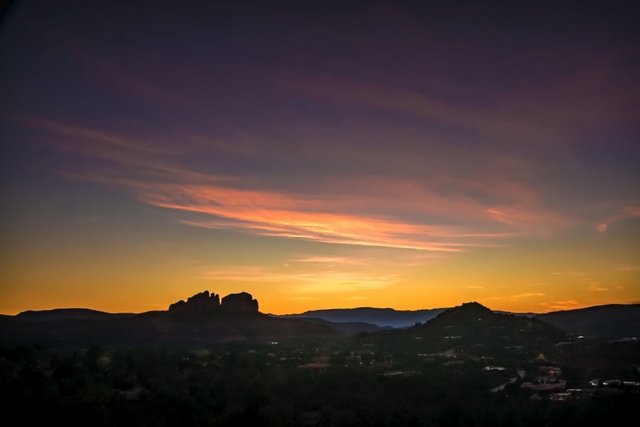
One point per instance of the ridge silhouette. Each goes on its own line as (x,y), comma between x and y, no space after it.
(205,318)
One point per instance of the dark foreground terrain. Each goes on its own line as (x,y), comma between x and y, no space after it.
(315,384)
(468,366)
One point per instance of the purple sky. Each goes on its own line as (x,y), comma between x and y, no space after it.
(320,153)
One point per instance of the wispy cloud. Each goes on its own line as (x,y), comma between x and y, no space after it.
(335,89)
(528,295)
(126,80)
(546,114)
(596,287)
(329,260)
(562,305)
(625,213)
(247,274)
(523,295)
(316,282)
(353,211)
(283,215)
(569,273)
(628,268)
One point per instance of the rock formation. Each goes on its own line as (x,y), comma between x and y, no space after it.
(205,303)
(199,304)
(242,303)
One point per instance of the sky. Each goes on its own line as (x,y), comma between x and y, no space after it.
(319,154)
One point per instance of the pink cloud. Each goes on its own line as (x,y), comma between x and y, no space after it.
(362,210)
(289,215)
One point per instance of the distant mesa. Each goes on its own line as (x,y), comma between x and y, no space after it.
(203,319)
(242,302)
(205,303)
(199,304)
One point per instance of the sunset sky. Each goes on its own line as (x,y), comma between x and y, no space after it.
(319,154)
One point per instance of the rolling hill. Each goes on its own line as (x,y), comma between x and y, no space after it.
(201,320)
(381,317)
(604,321)
(472,329)
(206,319)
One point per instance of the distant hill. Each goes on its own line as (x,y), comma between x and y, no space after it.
(604,321)
(347,328)
(205,318)
(201,320)
(68,314)
(472,329)
(474,323)
(381,317)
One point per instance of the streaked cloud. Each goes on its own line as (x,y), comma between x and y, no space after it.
(628,268)
(329,260)
(247,274)
(528,295)
(569,273)
(447,213)
(626,213)
(439,216)
(315,282)
(596,287)
(224,202)
(127,80)
(392,160)
(281,215)
(562,305)
(542,114)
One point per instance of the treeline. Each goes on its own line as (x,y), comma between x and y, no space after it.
(235,385)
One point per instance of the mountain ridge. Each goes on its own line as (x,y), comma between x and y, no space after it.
(381,317)
(202,319)
(207,318)
(471,331)
(601,321)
